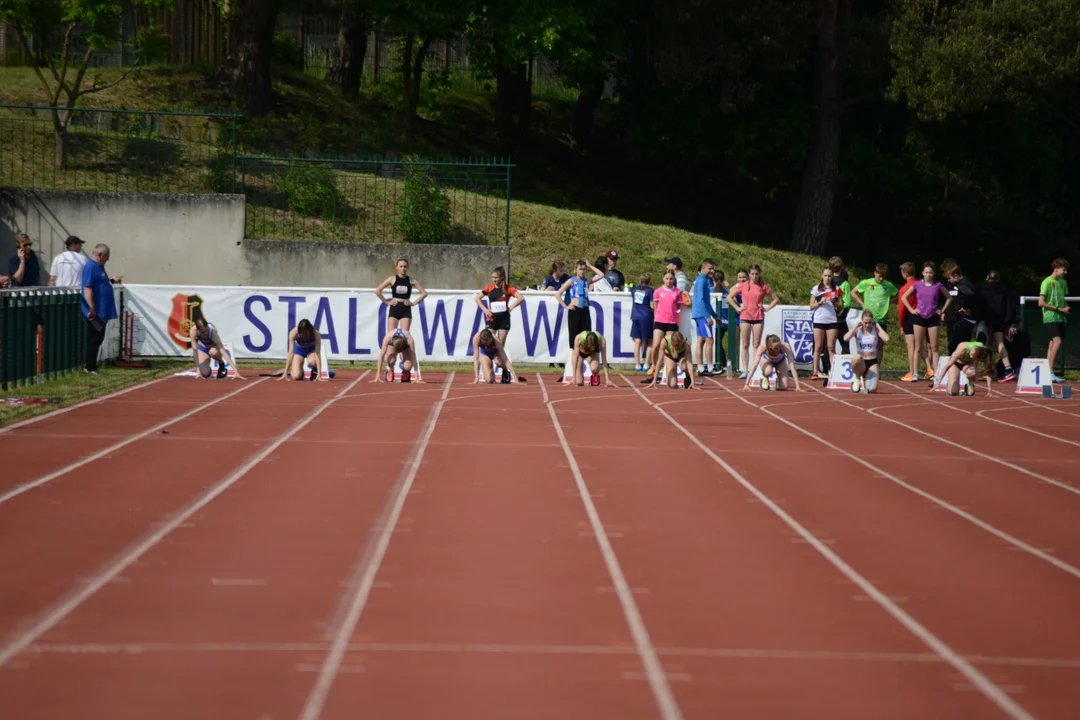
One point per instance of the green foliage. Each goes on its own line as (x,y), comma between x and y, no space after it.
(982,52)
(310,191)
(286,49)
(424,212)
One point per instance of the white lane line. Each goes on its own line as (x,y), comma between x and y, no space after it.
(980,413)
(20,489)
(84,403)
(367,562)
(986,686)
(654,669)
(976,453)
(65,607)
(797,655)
(944,504)
(332,663)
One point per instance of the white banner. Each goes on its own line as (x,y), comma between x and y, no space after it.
(353,322)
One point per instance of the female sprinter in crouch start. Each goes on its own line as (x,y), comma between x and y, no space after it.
(969,358)
(867,333)
(394,344)
(206,344)
(775,357)
(587,345)
(676,354)
(488,354)
(305,348)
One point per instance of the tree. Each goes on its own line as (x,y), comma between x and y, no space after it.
(96,23)
(252,23)
(347,66)
(814,214)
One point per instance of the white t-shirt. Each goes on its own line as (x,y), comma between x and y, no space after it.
(825,313)
(866,342)
(602,285)
(67,267)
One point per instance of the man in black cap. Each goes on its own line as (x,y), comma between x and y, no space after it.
(67,267)
(675,265)
(613,276)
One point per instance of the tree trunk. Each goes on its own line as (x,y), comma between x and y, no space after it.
(585,111)
(255,35)
(814,215)
(412,72)
(3,41)
(60,126)
(347,67)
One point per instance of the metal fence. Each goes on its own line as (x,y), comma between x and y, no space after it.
(117,150)
(42,335)
(464,201)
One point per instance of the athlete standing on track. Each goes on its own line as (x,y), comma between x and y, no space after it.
(206,344)
(587,345)
(400,302)
(574,296)
(867,335)
(488,353)
(925,316)
(396,343)
(665,304)
(775,358)
(969,358)
(824,302)
(305,349)
(502,299)
(749,304)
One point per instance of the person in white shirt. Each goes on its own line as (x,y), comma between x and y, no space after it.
(603,284)
(67,267)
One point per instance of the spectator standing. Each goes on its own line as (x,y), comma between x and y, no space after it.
(23,267)
(558,276)
(875,295)
(965,311)
(602,285)
(98,303)
(613,276)
(641,322)
(999,305)
(1052,294)
(674,265)
(67,267)
(704,316)
(841,282)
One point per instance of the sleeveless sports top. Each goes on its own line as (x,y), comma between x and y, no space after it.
(208,339)
(402,287)
(867,342)
(972,345)
(579,292)
(669,350)
(581,344)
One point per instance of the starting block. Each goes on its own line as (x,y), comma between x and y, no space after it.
(756,378)
(568,373)
(498,374)
(398,371)
(230,365)
(941,382)
(1065,394)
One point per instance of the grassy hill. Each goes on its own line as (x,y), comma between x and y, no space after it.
(552,185)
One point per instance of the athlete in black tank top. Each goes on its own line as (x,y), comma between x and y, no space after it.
(400,303)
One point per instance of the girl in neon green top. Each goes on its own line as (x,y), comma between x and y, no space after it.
(587,346)
(968,358)
(676,355)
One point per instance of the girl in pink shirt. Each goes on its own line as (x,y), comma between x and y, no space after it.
(665,304)
(751,312)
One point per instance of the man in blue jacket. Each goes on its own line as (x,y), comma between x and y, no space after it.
(98,303)
(704,316)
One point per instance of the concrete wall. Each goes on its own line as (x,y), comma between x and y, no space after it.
(326,264)
(186,239)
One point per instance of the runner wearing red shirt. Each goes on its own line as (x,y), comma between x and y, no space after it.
(751,312)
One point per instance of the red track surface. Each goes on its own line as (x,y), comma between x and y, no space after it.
(359,550)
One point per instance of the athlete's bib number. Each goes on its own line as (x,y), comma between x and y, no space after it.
(401,289)
(498,306)
(640,297)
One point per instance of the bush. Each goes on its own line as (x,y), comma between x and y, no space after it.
(310,191)
(424,213)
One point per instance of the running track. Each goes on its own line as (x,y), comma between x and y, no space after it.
(275,551)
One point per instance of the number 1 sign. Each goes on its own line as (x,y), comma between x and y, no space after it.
(1034,375)
(841,374)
